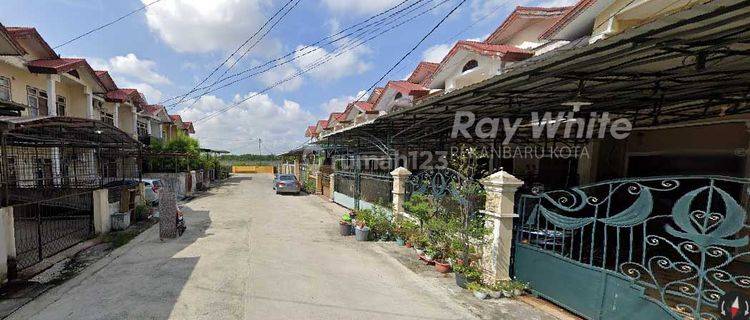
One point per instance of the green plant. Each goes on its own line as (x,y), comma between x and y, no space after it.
(476,286)
(309,186)
(141,212)
(470,272)
(420,207)
(405,228)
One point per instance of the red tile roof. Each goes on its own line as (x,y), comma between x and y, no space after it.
(55,66)
(175,117)
(569,16)
(520,12)
(188,126)
(334,116)
(310,132)
(322,123)
(24,33)
(406,87)
(106,79)
(6,34)
(365,106)
(375,95)
(422,72)
(152,109)
(503,51)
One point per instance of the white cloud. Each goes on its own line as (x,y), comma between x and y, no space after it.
(204,26)
(280,125)
(338,104)
(133,67)
(359,6)
(558,3)
(437,52)
(346,64)
(282,73)
(152,94)
(129,71)
(481,8)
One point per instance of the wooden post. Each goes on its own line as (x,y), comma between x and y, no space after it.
(499,210)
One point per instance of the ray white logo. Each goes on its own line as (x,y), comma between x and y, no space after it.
(548,125)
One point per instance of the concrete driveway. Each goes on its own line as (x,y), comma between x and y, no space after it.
(247,253)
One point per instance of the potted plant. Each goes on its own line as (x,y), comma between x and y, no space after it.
(442,267)
(478,290)
(345,225)
(362,232)
(466,274)
(496,289)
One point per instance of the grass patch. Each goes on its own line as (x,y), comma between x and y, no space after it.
(120,238)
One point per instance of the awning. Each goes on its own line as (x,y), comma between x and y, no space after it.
(693,64)
(68,131)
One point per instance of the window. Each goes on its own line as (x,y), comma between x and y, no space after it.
(4,89)
(108,118)
(470,65)
(61,105)
(142,129)
(37,101)
(398,96)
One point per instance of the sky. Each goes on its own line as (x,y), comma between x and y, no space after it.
(167,49)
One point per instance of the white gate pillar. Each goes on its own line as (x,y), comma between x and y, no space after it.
(8,247)
(102,223)
(499,210)
(399,190)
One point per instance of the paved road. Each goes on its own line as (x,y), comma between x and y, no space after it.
(251,254)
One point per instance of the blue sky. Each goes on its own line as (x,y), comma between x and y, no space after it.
(168,48)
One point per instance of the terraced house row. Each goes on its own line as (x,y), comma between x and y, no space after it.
(36,82)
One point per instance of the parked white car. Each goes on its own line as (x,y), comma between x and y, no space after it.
(152,187)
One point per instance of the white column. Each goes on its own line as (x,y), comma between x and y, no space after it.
(102,222)
(8,245)
(89,103)
(501,189)
(52,94)
(148,127)
(134,110)
(116,115)
(399,190)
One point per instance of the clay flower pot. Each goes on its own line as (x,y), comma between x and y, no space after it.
(408,245)
(442,267)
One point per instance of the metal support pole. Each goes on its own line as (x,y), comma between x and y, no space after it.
(6,174)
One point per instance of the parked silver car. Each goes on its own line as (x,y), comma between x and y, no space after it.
(287,183)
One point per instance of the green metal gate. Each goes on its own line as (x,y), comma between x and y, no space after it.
(648,248)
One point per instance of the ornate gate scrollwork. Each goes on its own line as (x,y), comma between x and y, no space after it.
(684,239)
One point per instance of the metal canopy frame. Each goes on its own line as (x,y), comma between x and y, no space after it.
(690,65)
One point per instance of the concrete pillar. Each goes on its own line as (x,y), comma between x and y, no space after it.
(102,220)
(8,247)
(332,180)
(116,115)
(399,190)
(52,81)
(89,102)
(297,169)
(318,182)
(148,127)
(134,112)
(499,213)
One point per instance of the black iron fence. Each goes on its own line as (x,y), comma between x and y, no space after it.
(44,228)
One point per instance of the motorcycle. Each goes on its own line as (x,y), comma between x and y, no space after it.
(180,222)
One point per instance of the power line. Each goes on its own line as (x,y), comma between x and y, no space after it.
(356,43)
(182,98)
(413,48)
(298,56)
(106,24)
(310,68)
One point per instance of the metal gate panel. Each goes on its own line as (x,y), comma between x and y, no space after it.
(667,247)
(44,228)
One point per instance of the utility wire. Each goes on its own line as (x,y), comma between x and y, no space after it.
(182,98)
(412,49)
(353,44)
(340,34)
(323,62)
(106,24)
